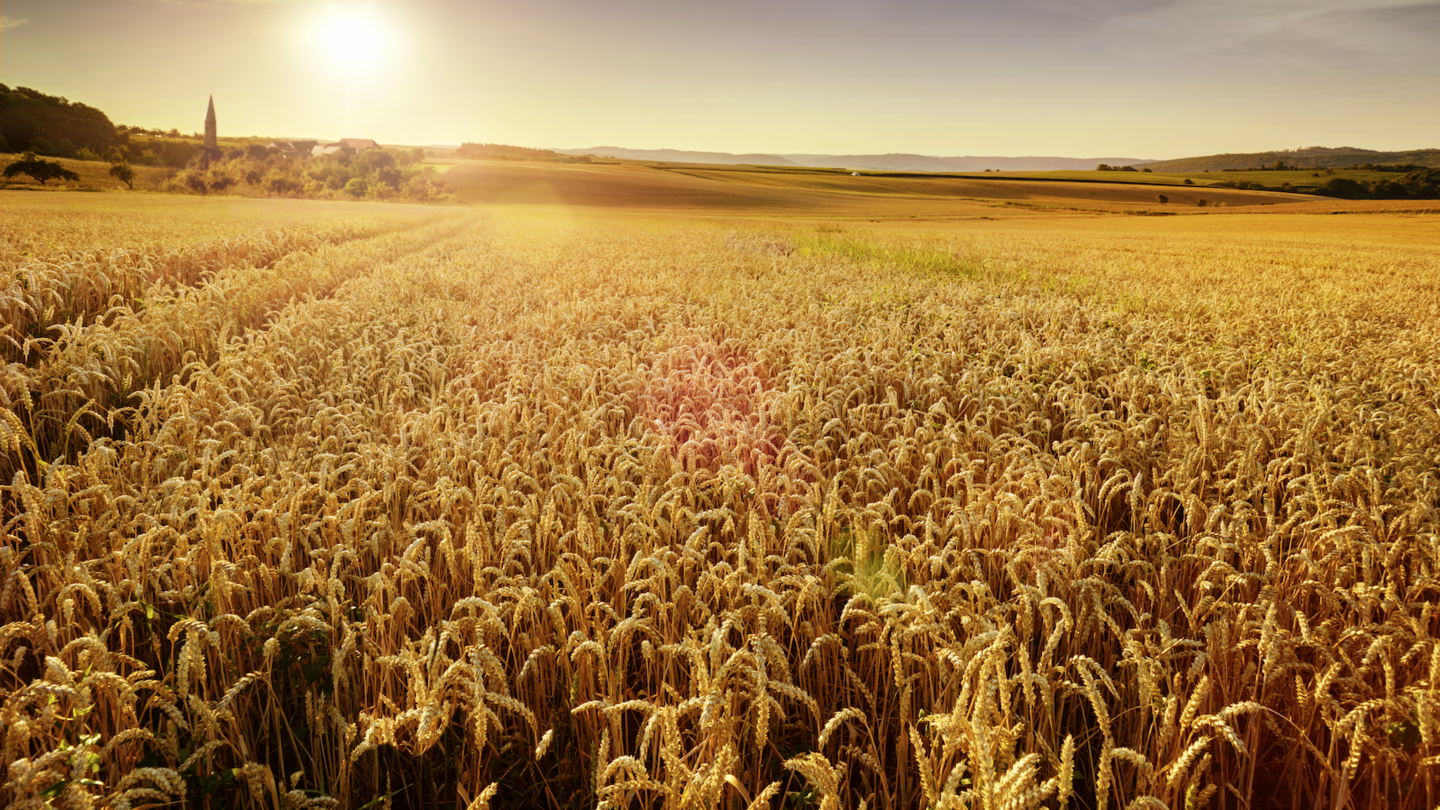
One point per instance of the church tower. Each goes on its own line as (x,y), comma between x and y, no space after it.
(210,126)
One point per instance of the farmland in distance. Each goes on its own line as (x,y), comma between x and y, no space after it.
(620,489)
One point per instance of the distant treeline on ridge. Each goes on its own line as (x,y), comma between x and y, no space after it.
(499,151)
(1315,157)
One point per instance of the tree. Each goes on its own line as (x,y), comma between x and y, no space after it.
(174,154)
(1343,187)
(1162,198)
(1388,190)
(1189,182)
(123,173)
(41,170)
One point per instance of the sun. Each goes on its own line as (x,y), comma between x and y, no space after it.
(353,40)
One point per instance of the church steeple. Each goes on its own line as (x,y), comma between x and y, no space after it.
(210,136)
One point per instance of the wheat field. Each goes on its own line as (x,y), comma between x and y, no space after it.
(500,509)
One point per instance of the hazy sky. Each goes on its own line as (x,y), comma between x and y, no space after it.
(1083,78)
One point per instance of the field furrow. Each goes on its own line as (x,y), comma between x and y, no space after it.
(85,380)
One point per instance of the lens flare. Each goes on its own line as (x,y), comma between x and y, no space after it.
(354,41)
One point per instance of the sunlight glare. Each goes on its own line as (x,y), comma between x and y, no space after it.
(353,40)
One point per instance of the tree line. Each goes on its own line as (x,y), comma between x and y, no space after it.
(31,121)
(1419,184)
(255,170)
(499,151)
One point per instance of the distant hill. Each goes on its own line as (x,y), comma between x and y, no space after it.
(1311,158)
(891,162)
(499,150)
(679,156)
(964,163)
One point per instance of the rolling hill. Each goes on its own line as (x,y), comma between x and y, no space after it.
(1310,158)
(888,162)
(680,156)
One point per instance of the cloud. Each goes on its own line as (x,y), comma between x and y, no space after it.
(6,23)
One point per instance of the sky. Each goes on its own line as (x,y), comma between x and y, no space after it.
(1078,78)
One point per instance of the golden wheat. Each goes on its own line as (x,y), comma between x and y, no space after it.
(505,511)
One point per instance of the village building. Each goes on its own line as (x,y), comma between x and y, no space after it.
(355,144)
(292,148)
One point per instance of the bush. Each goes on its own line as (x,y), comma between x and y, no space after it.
(279,183)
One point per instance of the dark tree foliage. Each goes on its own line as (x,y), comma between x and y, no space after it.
(1244,185)
(42,170)
(376,174)
(175,154)
(504,151)
(123,173)
(33,121)
(1343,187)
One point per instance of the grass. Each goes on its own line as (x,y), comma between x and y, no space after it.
(572,507)
(94,175)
